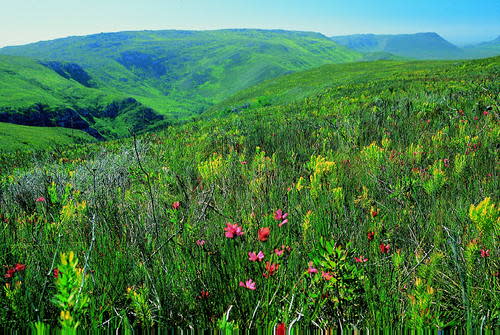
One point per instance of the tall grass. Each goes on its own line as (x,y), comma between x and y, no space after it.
(392,218)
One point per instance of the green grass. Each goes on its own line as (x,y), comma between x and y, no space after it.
(342,79)
(379,170)
(15,137)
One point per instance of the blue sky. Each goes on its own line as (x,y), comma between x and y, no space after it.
(460,21)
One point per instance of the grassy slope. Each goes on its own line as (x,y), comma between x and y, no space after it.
(416,46)
(14,137)
(418,147)
(181,72)
(341,79)
(26,82)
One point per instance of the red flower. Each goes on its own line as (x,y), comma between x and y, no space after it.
(485,253)
(233,230)
(40,199)
(19,267)
(326,275)
(485,113)
(244,163)
(271,269)
(281,329)
(361,259)
(204,294)
(374,212)
(176,205)
(264,234)
(56,272)
(384,248)
(10,273)
(370,235)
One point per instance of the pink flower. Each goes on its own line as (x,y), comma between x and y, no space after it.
(311,269)
(176,205)
(485,253)
(233,230)
(200,243)
(249,284)
(326,275)
(244,163)
(361,259)
(485,113)
(280,216)
(282,223)
(279,252)
(40,199)
(446,162)
(253,257)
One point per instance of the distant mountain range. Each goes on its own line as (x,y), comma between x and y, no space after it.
(417,46)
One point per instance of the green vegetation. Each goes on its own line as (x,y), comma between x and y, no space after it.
(365,198)
(14,137)
(340,80)
(179,73)
(417,46)
(36,95)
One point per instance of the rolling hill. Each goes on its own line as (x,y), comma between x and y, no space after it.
(417,46)
(180,73)
(339,80)
(34,94)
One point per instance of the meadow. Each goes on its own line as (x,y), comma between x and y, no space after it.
(367,201)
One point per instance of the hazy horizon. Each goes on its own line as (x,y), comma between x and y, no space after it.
(458,42)
(464,22)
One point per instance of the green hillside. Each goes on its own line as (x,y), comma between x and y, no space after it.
(340,80)
(178,73)
(352,196)
(416,46)
(36,95)
(14,137)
